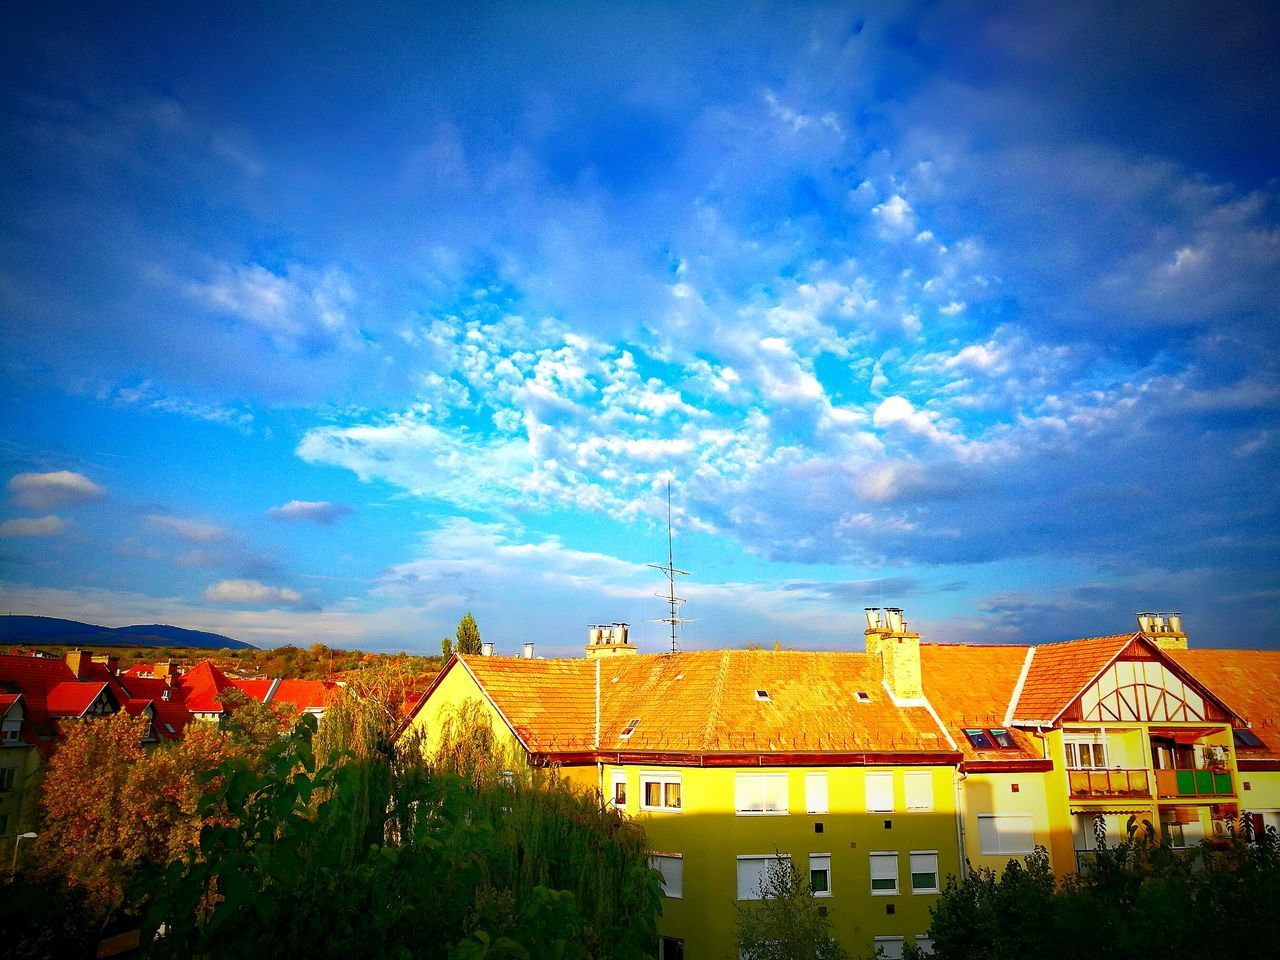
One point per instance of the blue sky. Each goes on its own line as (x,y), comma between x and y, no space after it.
(331,323)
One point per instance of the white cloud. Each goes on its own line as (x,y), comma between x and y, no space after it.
(895,216)
(195,531)
(40,491)
(49,526)
(250,591)
(312,511)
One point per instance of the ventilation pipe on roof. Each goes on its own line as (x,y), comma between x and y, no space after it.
(528,650)
(486,648)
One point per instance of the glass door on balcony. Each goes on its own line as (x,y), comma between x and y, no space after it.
(1168,754)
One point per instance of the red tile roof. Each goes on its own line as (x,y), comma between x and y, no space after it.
(304,694)
(1059,671)
(706,701)
(1247,681)
(200,687)
(72,698)
(970,686)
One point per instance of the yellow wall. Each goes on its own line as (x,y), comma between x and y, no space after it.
(993,793)
(457,687)
(710,836)
(19,802)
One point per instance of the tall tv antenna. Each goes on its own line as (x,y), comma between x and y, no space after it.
(669,570)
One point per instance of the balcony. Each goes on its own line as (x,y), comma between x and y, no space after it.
(1108,784)
(1193,784)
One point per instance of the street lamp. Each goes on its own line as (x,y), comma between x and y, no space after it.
(16,843)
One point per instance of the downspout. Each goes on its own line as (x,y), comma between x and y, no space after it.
(599,762)
(961,776)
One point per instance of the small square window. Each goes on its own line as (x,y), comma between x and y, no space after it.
(980,739)
(763,695)
(630,728)
(863,696)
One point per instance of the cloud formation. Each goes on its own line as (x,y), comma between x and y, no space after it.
(47,526)
(250,592)
(42,491)
(312,511)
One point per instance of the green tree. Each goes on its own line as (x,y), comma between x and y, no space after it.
(342,854)
(786,923)
(252,723)
(468,635)
(446,646)
(1134,899)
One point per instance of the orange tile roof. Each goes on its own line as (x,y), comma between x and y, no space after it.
(705,701)
(304,694)
(970,686)
(1247,681)
(1059,671)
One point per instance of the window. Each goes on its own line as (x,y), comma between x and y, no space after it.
(10,734)
(630,728)
(670,948)
(659,791)
(760,792)
(815,792)
(619,791)
(890,948)
(672,868)
(1246,739)
(924,945)
(820,874)
(1086,755)
(7,775)
(880,793)
(884,873)
(919,789)
(763,695)
(980,739)
(4,825)
(169,727)
(1004,833)
(1002,738)
(753,874)
(863,696)
(924,871)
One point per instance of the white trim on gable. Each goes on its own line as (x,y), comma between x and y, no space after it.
(1017,690)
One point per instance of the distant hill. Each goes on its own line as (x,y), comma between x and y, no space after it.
(45,630)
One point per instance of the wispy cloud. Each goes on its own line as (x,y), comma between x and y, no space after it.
(47,526)
(250,591)
(311,511)
(186,528)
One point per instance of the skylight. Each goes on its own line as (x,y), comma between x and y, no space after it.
(1246,738)
(169,727)
(864,697)
(1001,737)
(630,728)
(763,695)
(980,739)
(993,738)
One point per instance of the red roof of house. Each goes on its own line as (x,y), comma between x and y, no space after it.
(305,694)
(201,686)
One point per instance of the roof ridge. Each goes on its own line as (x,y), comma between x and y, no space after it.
(717,696)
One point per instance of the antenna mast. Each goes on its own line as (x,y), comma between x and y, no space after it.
(670,571)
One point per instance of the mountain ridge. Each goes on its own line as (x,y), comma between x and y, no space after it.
(37,630)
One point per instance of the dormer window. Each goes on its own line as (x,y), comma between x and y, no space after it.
(763,695)
(630,728)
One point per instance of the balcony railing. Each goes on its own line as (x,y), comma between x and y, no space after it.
(1104,784)
(1193,784)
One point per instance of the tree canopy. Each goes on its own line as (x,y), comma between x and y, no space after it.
(468,636)
(786,923)
(1132,901)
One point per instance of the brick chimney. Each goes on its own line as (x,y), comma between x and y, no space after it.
(1163,628)
(78,661)
(898,652)
(609,640)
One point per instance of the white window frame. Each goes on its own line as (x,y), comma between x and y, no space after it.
(744,783)
(816,794)
(1031,833)
(766,859)
(911,871)
(670,865)
(1073,740)
(820,862)
(881,941)
(918,777)
(924,945)
(883,856)
(878,776)
(664,779)
(615,778)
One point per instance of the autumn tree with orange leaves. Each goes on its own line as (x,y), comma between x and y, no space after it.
(109,806)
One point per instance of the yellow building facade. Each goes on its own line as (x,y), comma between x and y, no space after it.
(880,774)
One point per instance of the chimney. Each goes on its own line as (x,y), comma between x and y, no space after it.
(486,648)
(608,639)
(79,662)
(898,651)
(1166,630)
(528,650)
